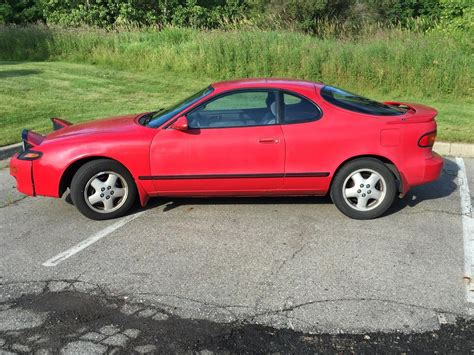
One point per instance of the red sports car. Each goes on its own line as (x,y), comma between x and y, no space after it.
(256,137)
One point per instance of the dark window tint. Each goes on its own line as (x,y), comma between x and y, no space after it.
(356,103)
(237,109)
(298,109)
(156,119)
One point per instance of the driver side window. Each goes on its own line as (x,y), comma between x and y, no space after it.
(238,109)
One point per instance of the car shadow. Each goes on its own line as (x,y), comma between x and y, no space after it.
(443,187)
(172,203)
(14,73)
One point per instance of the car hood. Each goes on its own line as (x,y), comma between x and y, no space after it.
(106,125)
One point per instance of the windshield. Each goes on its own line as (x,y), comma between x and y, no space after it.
(356,103)
(156,119)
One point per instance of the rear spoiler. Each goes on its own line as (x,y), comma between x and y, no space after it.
(31,139)
(59,123)
(415,113)
(404,105)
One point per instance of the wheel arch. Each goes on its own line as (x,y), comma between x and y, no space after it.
(67,175)
(388,163)
(69,172)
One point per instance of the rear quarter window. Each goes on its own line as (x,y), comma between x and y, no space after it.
(357,103)
(297,109)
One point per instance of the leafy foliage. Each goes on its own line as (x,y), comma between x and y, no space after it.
(108,13)
(303,15)
(456,15)
(20,11)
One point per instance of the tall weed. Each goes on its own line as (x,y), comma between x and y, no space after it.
(386,60)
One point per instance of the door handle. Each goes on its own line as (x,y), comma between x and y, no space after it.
(269,140)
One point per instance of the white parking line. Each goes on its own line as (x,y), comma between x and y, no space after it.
(91,240)
(467,228)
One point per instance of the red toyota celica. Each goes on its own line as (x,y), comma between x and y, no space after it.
(255,137)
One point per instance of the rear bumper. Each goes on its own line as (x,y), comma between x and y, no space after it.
(22,171)
(420,174)
(433,168)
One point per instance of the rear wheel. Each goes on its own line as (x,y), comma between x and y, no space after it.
(363,188)
(103,189)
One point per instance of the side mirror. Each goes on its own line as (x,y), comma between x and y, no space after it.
(181,124)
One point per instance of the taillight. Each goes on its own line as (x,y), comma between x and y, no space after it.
(427,140)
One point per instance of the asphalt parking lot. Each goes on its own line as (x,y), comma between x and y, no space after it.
(182,274)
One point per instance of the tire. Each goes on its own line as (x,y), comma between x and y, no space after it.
(103,189)
(353,194)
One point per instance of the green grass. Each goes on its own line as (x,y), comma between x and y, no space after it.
(386,61)
(32,92)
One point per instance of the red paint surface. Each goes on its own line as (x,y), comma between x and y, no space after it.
(254,161)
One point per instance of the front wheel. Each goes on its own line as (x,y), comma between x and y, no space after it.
(103,189)
(363,189)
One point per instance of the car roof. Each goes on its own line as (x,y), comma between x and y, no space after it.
(265,82)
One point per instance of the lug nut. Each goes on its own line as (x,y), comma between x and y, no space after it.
(369,192)
(109,187)
(111,192)
(368,186)
(101,195)
(107,197)
(363,195)
(358,191)
(102,189)
(361,185)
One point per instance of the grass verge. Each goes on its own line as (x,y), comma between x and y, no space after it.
(32,92)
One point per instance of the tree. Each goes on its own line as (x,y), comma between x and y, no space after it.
(20,11)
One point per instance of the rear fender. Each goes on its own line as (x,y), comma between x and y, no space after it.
(400,178)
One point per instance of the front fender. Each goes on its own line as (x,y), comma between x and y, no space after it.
(53,172)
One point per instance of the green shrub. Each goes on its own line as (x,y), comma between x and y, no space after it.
(160,13)
(456,16)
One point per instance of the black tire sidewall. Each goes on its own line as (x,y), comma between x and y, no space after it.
(363,163)
(83,175)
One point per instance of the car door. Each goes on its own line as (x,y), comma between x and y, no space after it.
(306,142)
(233,146)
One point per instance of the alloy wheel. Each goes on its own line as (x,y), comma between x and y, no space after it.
(364,189)
(106,192)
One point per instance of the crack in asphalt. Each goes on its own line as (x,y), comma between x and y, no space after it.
(293,255)
(275,271)
(359,299)
(103,293)
(452,213)
(204,303)
(91,320)
(9,203)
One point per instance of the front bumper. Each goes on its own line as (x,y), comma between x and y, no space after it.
(22,171)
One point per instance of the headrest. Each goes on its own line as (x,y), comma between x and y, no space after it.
(273,108)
